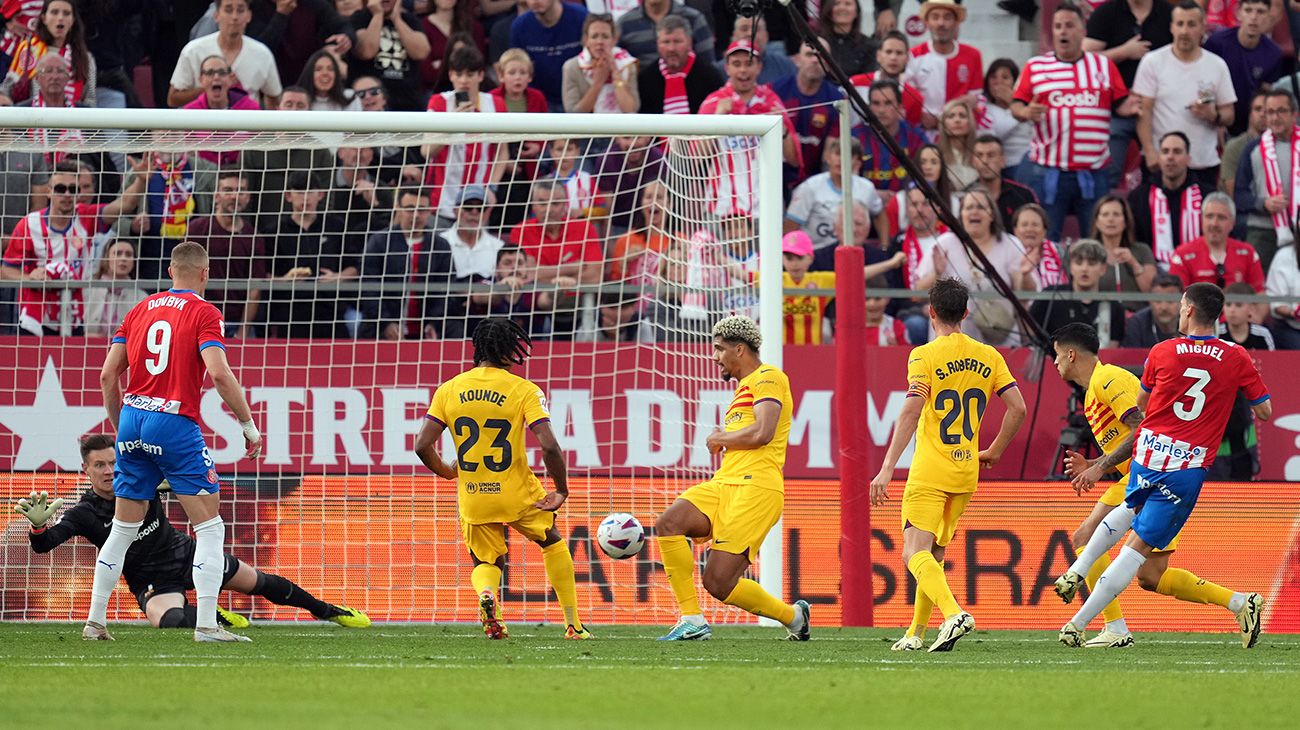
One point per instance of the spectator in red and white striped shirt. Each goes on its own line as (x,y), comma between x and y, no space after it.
(1068,95)
(451,167)
(734,175)
(942,68)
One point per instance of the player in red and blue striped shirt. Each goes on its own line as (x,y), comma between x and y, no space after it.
(1189,385)
(166,344)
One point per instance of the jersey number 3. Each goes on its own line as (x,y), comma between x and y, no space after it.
(960,406)
(158,341)
(1196,392)
(468,429)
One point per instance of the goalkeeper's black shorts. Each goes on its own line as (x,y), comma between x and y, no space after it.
(174,576)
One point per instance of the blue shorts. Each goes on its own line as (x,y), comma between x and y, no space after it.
(1164,500)
(153,446)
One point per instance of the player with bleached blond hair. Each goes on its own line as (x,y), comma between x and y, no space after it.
(744,499)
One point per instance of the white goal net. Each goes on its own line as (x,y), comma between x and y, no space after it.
(352,256)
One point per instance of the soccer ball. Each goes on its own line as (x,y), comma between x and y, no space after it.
(620,535)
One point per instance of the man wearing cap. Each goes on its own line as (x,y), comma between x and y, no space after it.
(805,315)
(942,68)
(473,249)
(734,178)
(473,255)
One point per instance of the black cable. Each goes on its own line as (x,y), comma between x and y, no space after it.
(1033,329)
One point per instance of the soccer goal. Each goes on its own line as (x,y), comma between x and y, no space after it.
(352,255)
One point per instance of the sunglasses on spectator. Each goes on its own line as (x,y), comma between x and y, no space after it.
(372,91)
(215,72)
(61,189)
(1220,272)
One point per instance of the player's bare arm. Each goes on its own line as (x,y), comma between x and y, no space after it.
(904,430)
(754,436)
(232,393)
(1014,400)
(553,458)
(426,448)
(110,381)
(1086,479)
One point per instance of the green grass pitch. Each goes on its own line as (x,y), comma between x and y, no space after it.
(449,676)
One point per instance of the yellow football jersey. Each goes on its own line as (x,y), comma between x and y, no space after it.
(761,467)
(804,314)
(957,376)
(1112,393)
(488,410)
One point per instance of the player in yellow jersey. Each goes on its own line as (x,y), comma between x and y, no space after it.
(1111,406)
(488,410)
(949,383)
(742,502)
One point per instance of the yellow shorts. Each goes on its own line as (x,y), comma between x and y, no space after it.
(1114,497)
(741,515)
(934,510)
(487,541)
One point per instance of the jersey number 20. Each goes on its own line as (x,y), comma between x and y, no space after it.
(468,429)
(158,341)
(1196,392)
(960,406)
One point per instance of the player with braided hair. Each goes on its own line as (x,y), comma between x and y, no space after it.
(738,507)
(488,409)
(499,341)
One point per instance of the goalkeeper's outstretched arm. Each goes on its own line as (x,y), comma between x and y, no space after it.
(426,448)
(39,509)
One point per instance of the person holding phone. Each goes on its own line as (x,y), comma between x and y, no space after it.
(452,167)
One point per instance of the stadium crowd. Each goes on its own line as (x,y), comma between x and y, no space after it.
(1149,149)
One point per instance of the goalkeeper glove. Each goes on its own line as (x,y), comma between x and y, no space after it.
(37,508)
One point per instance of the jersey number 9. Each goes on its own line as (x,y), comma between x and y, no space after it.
(158,341)
(467,432)
(960,406)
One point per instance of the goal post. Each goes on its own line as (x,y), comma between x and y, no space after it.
(338,502)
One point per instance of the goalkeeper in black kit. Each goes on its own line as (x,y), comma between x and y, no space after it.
(157,565)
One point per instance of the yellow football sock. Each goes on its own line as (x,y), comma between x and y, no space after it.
(930,580)
(1185,586)
(486,577)
(750,596)
(921,612)
(559,571)
(679,564)
(1112,611)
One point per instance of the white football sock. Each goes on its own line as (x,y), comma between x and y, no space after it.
(695,619)
(108,567)
(1112,528)
(209,568)
(1118,626)
(1236,602)
(1110,585)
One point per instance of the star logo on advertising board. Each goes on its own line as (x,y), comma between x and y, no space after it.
(49,428)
